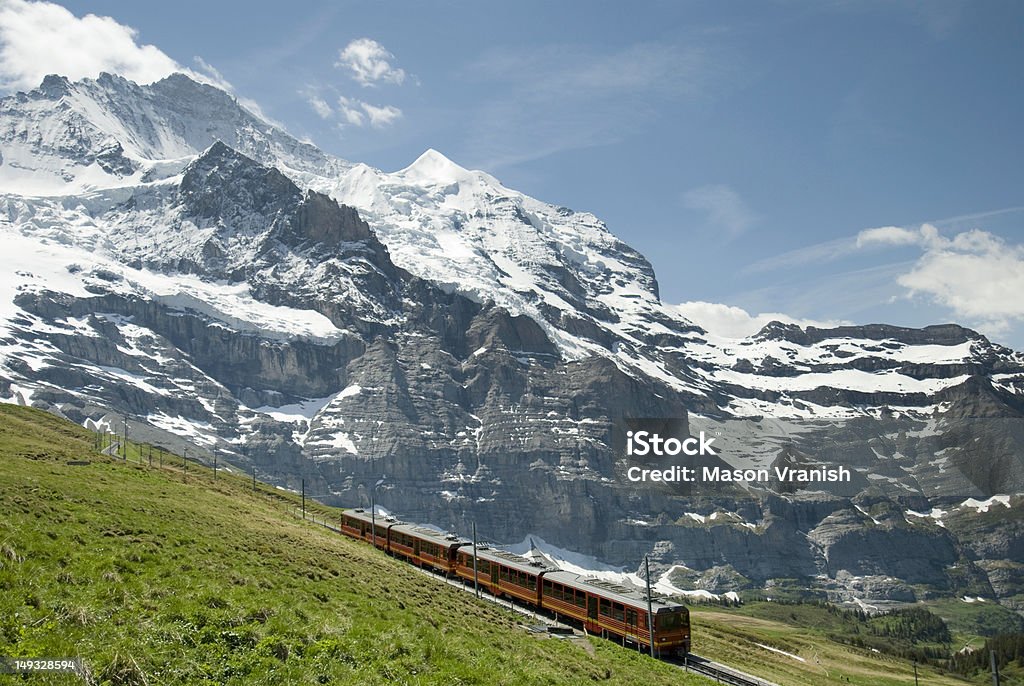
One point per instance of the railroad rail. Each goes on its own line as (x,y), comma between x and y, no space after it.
(723,674)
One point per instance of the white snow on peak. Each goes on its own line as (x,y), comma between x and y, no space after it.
(433,168)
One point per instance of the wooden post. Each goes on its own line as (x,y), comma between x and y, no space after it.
(650,612)
(476,576)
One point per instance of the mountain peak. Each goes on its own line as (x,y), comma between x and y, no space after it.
(434,167)
(54,85)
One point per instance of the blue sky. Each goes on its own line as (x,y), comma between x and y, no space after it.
(745,148)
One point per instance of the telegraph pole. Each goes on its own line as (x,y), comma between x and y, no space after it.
(215,466)
(303,498)
(125,438)
(254,479)
(995,667)
(476,576)
(650,611)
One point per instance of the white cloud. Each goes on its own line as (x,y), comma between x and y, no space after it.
(358,113)
(723,206)
(369,62)
(40,38)
(888,235)
(976,274)
(350,111)
(381,116)
(320,106)
(735,322)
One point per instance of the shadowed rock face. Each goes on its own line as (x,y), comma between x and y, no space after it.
(315,357)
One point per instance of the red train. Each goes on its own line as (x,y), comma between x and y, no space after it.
(602,607)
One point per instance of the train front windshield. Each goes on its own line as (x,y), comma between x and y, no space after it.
(672,621)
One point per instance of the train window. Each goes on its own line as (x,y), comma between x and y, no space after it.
(581,598)
(606,607)
(547,588)
(617,612)
(631,617)
(669,621)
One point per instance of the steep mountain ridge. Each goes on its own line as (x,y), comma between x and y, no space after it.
(187,263)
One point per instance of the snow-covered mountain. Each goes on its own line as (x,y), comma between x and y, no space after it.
(180,259)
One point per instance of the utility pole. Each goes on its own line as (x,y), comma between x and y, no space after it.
(125,438)
(253,479)
(303,498)
(476,576)
(995,667)
(373,519)
(215,466)
(184,462)
(915,672)
(650,611)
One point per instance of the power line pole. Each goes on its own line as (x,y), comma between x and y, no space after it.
(650,611)
(995,667)
(254,479)
(476,576)
(125,438)
(303,498)
(215,466)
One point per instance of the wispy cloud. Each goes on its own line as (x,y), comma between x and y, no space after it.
(588,97)
(818,253)
(381,116)
(874,238)
(723,207)
(359,113)
(369,63)
(320,106)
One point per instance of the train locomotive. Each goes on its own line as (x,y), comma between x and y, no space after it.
(602,607)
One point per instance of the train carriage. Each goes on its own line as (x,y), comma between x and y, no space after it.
(503,574)
(361,524)
(604,607)
(425,547)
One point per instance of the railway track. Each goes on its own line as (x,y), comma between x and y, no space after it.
(723,674)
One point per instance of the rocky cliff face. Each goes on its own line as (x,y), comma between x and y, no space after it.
(239,292)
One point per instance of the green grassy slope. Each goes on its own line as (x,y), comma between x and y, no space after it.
(817,645)
(154,580)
